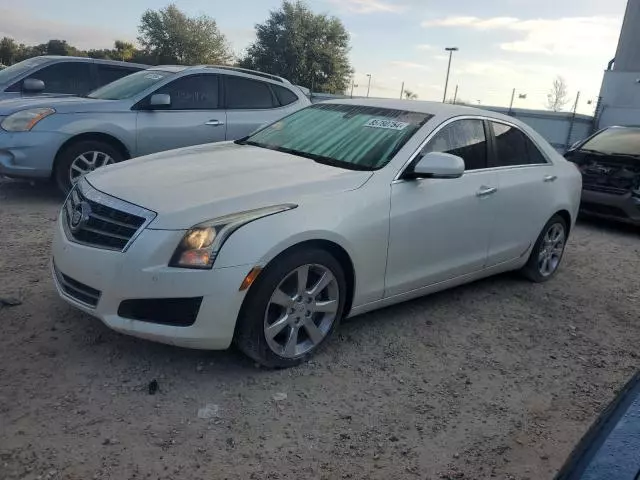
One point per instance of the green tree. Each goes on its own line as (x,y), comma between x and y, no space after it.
(59,47)
(9,50)
(170,36)
(124,50)
(308,49)
(103,53)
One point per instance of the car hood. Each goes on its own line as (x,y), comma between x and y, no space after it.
(194,184)
(68,104)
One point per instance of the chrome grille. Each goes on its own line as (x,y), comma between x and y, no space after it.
(95,219)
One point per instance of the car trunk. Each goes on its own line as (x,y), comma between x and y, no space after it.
(615,174)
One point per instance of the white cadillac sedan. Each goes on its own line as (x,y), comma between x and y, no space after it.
(338,209)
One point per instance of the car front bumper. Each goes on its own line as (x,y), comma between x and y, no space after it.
(142,273)
(29,154)
(624,208)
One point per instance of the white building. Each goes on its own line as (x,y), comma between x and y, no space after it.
(620,91)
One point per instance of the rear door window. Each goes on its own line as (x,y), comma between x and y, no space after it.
(513,147)
(246,94)
(285,96)
(63,77)
(111,73)
(193,92)
(464,138)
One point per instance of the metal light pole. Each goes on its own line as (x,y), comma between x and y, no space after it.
(513,95)
(353,84)
(369,85)
(446,83)
(401,90)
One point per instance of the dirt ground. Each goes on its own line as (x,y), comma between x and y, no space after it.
(498,379)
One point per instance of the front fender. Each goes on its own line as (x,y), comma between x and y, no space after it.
(121,126)
(357,221)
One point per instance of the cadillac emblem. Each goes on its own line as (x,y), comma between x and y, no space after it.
(79,216)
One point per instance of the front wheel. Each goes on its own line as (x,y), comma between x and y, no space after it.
(292,309)
(547,252)
(80,158)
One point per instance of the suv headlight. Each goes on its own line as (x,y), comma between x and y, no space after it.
(25,120)
(200,245)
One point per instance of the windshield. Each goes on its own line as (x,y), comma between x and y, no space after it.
(15,70)
(615,140)
(347,136)
(127,87)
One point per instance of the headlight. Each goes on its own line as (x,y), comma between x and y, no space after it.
(201,244)
(25,120)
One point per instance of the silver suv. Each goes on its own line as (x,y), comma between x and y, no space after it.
(158,109)
(53,75)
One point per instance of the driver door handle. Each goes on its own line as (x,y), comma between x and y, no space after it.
(214,123)
(550,178)
(486,191)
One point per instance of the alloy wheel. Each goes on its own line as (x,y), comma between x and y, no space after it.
(87,162)
(551,249)
(301,311)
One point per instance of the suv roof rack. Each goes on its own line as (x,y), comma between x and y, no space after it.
(250,72)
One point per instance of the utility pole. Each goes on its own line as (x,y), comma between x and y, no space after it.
(455,95)
(513,95)
(369,85)
(352,85)
(401,90)
(446,82)
(573,119)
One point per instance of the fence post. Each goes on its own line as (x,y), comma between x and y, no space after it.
(573,119)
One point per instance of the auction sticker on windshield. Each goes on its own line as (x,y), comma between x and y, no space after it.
(385,123)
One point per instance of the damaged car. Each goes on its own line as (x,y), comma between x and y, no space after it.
(610,165)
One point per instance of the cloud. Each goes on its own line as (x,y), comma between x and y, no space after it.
(440,58)
(425,47)
(584,36)
(411,65)
(473,22)
(26,27)
(369,6)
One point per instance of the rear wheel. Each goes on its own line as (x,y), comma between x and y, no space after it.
(292,309)
(83,157)
(547,252)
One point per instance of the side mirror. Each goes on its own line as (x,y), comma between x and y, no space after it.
(159,100)
(32,85)
(438,165)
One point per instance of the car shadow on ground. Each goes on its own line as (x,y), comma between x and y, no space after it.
(22,191)
(102,341)
(608,226)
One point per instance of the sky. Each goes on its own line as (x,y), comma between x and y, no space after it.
(503,44)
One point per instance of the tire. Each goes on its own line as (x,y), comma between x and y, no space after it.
(264,311)
(535,269)
(88,148)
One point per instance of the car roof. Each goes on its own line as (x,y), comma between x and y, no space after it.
(170,68)
(223,69)
(102,61)
(420,106)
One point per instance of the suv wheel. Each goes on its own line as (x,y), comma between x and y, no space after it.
(80,158)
